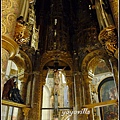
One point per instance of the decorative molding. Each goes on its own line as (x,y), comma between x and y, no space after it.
(101,104)
(108,38)
(25,111)
(10,45)
(53,55)
(10,103)
(10,10)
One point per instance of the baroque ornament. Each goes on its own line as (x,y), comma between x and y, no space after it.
(21,32)
(108,38)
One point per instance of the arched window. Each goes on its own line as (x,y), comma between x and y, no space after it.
(49,102)
(107,91)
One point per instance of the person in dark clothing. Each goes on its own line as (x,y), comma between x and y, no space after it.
(14,94)
(7,87)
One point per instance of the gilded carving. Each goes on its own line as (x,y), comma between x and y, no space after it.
(108,38)
(25,111)
(10,22)
(10,10)
(6,4)
(53,55)
(13,48)
(3,28)
(21,33)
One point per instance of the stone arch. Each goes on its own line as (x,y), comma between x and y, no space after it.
(19,61)
(92,59)
(40,78)
(86,64)
(53,55)
(24,65)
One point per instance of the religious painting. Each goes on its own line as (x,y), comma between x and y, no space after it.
(107,91)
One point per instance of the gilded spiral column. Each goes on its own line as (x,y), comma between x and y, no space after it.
(10,11)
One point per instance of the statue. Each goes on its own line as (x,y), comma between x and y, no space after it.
(21,32)
(7,87)
(14,94)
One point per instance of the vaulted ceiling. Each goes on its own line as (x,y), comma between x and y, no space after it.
(77,16)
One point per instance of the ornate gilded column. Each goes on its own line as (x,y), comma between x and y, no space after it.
(114,9)
(10,11)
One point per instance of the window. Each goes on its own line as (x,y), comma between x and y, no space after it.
(50,101)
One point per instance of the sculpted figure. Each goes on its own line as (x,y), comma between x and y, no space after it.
(21,31)
(14,94)
(7,87)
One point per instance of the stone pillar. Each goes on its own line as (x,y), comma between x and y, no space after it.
(71,97)
(36,112)
(41,95)
(114,9)
(10,10)
(23,93)
(78,95)
(87,94)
